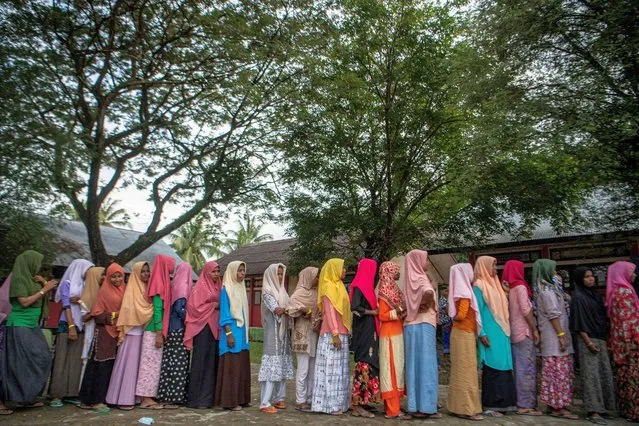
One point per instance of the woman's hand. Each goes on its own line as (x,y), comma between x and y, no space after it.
(536,338)
(337,342)
(593,348)
(372,312)
(563,343)
(50,285)
(216,305)
(159,339)
(73,334)
(279,311)
(230,341)
(484,341)
(74,299)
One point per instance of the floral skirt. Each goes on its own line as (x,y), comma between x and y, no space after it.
(556,381)
(365,385)
(628,386)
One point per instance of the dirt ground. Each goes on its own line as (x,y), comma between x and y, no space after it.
(252,415)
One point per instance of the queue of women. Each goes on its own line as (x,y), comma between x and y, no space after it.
(157,342)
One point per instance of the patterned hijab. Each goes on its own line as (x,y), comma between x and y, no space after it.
(388,289)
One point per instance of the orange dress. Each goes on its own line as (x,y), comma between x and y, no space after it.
(391,358)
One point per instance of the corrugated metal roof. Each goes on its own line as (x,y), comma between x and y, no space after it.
(74,243)
(259,256)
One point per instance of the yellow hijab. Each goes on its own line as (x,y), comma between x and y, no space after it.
(135,310)
(331,286)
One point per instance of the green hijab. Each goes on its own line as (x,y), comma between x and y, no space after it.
(543,274)
(25,267)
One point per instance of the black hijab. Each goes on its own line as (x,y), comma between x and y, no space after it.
(635,260)
(587,310)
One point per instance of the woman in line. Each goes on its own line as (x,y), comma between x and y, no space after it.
(523,338)
(392,311)
(97,375)
(233,385)
(135,314)
(420,337)
(623,309)
(463,389)
(25,360)
(277,360)
(556,342)
(365,337)
(202,335)
(302,307)
(5,310)
(92,282)
(158,294)
(67,362)
(498,393)
(174,373)
(589,322)
(330,390)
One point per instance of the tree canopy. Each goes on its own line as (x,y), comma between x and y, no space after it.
(170,97)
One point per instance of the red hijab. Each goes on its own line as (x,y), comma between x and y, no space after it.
(365,281)
(514,275)
(160,285)
(203,306)
(109,297)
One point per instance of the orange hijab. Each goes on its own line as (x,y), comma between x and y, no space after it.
(492,291)
(110,297)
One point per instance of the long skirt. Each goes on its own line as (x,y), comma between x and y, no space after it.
(391,368)
(463,385)
(25,364)
(125,372)
(365,385)
(628,384)
(556,381)
(525,367)
(203,370)
(330,391)
(174,373)
(498,390)
(233,384)
(597,379)
(67,366)
(422,375)
(149,373)
(95,382)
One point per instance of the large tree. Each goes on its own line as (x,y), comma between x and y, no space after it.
(400,143)
(575,66)
(172,97)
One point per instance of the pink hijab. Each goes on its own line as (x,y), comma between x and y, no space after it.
(5,305)
(203,306)
(365,281)
(160,285)
(416,282)
(461,287)
(619,274)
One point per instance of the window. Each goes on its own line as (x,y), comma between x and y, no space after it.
(257,297)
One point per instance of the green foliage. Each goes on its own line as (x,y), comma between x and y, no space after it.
(403,140)
(248,231)
(195,240)
(575,65)
(21,231)
(174,98)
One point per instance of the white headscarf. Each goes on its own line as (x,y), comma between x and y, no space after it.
(236,291)
(461,287)
(75,275)
(271,285)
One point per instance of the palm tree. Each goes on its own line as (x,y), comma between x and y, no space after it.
(195,239)
(248,232)
(109,215)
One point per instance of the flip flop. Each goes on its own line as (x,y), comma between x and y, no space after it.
(56,403)
(529,412)
(5,411)
(491,413)
(598,420)
(434,416)
(125,407)
(281,405)
(364,414)
(475,418)
(402,416)
(171,407)
(155,406)
(34,405)
(71,401)
(268,410)
(101,408)
(565,415)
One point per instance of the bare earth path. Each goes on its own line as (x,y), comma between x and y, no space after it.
(183,416)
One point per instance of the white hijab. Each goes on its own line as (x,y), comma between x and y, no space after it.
(271,285)
(75,275)
(236,291)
